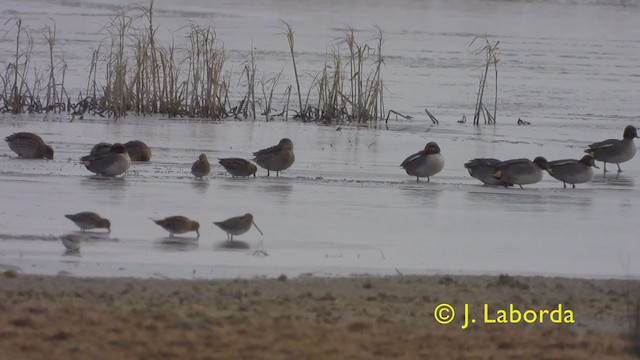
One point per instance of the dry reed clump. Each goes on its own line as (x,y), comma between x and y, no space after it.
(17,95)
(132,72)
(349,88)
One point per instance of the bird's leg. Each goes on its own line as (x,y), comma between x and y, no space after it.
(619,170)
(231,237)
(269,173)
(574,185)
(605,167)
(417,179)
(520,186)
(170,234)
(564,184)
(428,179)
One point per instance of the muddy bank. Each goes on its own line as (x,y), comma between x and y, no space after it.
(311,318)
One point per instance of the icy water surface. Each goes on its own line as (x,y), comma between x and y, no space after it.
(569,67)
(344,207)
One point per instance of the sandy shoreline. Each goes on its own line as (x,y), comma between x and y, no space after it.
(307,317)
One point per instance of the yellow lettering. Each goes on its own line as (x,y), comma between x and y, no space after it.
(530,316)
(568,317)
(542,314)
(514,314)
(487,319)
(556,315)
(502,317)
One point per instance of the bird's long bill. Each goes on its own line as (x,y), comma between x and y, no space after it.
(254,224)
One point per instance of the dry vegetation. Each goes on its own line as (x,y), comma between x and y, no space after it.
(133,72)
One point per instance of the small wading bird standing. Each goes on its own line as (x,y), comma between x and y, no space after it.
(178,225)
(572,171)
(614,150)
(237,225)
(87,220)
(201,167)
(238,167)
(424,163)
(71,242)
(29,146)
(521,171)
(276,158)
(114,162)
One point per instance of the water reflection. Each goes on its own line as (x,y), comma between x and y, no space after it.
(178,243)
(428,197)
(280,191)
(232,245)
(102,182)
(509,200)
(72,253)
(89,236)
(615,179)
(201,186)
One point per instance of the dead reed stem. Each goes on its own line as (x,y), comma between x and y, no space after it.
(491,59)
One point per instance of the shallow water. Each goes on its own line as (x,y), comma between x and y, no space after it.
(345,206)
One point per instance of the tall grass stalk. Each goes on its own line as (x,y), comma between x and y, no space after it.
(490,52)
(288,31)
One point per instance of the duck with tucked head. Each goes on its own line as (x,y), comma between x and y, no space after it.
(138,151)
(29,146)
(276,158)
(521,171)
(424,163)
(114,162)
(483,170)
(572,171)
(179,225)
(614,150)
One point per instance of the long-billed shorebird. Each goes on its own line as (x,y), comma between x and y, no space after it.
(276,158)
(71,242)
(179,225)
(87,220)
(201,167)
(237,225)
(238,167)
